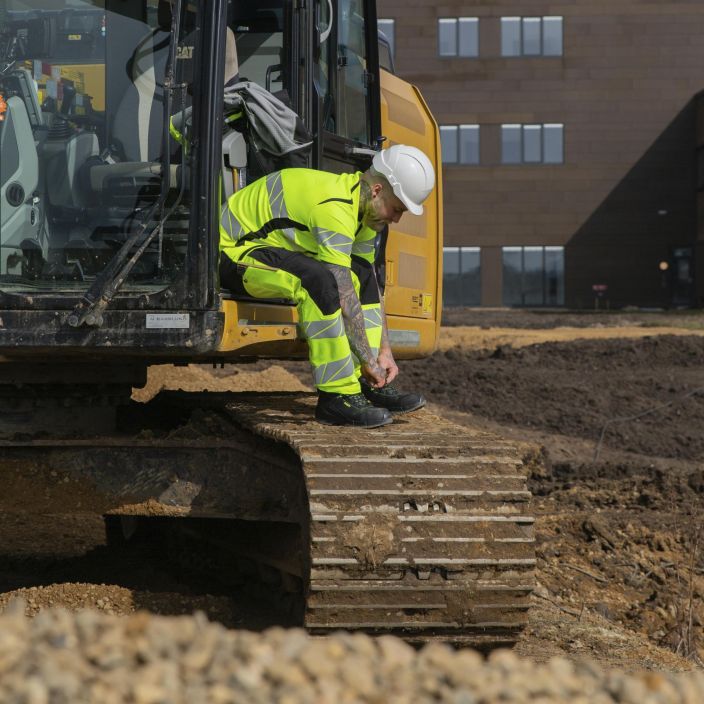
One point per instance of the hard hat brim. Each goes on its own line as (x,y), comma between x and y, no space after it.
(414,209)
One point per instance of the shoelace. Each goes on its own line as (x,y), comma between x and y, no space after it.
(358,400)
(388,390)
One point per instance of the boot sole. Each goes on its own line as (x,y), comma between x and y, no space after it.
(397,412)
(355,425)
(405,410)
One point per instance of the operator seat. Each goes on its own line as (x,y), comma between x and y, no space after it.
(137,124)
(138,121)
(232,65)
(20,216)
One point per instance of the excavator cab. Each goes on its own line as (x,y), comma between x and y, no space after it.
(108,246)
(88,167)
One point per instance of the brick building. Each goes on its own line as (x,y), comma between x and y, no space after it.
(573,146)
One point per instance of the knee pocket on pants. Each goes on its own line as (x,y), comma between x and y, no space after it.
(314,277)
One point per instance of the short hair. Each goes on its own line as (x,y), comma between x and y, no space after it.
(376,177)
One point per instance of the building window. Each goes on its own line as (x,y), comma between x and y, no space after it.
(461,276)
(552,36)
(532,144)
(460,144)
(387,28)
(458,36)
(534,276)
(553,144)
(531,36)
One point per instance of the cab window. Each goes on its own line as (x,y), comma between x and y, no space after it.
(342,80)
(261,44)
(352,77)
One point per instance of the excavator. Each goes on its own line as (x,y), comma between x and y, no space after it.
(108,266)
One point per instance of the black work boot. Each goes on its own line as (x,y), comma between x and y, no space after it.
(390,397)
(341,409)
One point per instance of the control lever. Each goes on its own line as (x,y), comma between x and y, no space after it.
(69,98)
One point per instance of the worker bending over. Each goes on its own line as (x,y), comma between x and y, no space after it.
(310,236)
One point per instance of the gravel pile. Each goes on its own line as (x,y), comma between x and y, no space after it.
(60,657)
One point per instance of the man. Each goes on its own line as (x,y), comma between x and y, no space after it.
(310,236)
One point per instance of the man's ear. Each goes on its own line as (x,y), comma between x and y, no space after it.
(377,188)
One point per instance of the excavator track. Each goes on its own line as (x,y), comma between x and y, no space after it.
(421,528)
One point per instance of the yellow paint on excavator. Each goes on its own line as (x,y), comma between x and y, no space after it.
(413,286)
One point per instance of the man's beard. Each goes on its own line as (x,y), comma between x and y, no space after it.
(374,222)
(376,225)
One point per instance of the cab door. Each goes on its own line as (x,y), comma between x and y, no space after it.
(346,83)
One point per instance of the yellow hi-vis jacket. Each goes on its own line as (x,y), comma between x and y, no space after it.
(301,210)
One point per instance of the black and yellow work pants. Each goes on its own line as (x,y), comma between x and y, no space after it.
(260,271)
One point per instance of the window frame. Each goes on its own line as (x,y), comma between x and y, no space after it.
(522,129)
(457,44)
(544,275)
(460,251)
(335,147)
(523,22)
(526,24)
(345,52)
(549,19)
(458,130)
(382,23)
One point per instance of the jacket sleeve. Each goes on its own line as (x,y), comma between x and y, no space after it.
(333,228)
(365,244)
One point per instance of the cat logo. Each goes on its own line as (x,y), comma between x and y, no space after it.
(184,52)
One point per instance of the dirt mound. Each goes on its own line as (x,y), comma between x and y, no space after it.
(620,558)
(89,657)
(546,319)
(479,338)
(195,377)
(57,560)
(624,543)
(574,388)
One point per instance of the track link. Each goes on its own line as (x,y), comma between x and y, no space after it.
(421,528)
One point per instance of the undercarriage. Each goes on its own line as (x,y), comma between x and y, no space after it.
(421,529)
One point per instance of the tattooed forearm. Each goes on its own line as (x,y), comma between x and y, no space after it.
(352,314)
(385,344)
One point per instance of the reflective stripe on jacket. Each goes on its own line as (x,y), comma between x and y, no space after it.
(301,210)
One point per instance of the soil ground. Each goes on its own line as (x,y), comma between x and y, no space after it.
(615,401)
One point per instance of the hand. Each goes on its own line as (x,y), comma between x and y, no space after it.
(374,374)
(387,363)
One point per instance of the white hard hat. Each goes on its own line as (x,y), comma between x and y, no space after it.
(409,172)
